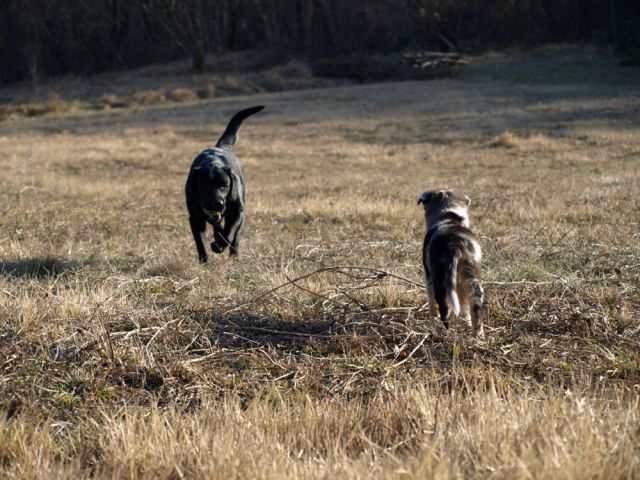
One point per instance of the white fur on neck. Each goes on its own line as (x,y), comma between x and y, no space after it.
(460,212)
(463,213)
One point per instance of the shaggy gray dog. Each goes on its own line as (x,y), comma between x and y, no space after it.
(451,257)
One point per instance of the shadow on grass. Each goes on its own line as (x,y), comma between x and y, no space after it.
(250,330)
(38,267)
(345,335)
(420,343)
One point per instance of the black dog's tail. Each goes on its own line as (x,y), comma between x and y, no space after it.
(228,138)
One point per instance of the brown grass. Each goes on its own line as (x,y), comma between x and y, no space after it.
(111,100)
(149,97)
(312,356)
(241,73)
(207,91)
(54,103)
(183,95)
(506,139)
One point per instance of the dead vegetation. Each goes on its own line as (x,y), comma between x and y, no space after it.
(313,355)
(225,75)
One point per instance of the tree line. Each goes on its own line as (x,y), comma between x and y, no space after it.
(40,38)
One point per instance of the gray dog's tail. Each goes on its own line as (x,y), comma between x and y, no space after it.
(228,138)
(450,282)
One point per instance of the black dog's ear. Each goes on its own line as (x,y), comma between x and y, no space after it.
(236,185)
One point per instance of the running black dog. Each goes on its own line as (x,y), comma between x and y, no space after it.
(215,192)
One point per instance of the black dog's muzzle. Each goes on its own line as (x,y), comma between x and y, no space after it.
(212,216)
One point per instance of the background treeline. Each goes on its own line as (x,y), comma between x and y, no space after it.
(46,37)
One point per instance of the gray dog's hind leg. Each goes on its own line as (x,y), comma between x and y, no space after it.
(440,292)
(477,297)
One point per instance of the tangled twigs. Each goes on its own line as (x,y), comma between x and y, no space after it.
(344,270)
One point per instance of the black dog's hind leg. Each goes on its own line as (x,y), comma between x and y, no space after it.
(198,227)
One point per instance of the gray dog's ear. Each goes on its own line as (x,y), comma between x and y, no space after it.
(468,200)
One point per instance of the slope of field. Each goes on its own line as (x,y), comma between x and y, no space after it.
(313,355)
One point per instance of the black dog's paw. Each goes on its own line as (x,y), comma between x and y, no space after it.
(218,247)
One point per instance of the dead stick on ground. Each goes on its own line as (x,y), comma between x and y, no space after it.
(339,269)
(424,338)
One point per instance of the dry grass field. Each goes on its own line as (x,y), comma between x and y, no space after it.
(313,356)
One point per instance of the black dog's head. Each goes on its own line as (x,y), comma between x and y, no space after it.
(216,186)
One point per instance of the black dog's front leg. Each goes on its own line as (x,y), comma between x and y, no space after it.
(229,235)
(220,242)
(198,226)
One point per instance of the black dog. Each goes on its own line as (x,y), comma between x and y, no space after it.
(215,189)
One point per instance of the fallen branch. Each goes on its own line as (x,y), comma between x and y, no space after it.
(424,338)
(339,269)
